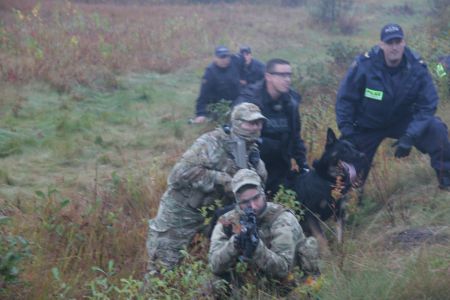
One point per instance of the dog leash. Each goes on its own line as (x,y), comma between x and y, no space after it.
(322,222)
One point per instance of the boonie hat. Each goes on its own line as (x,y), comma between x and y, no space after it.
(222,51)
(391,31)
(247,112)
(244,177)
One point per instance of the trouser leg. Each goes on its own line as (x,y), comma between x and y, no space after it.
(164,248)
(434,142)
(367,141)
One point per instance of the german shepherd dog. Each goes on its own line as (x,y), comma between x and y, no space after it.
(322,191)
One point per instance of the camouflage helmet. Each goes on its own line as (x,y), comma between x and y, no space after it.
(244,177)
(247,112)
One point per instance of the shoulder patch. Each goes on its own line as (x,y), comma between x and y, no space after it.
(366,54)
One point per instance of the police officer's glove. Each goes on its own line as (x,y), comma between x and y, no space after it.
(254,157)
(404,145)
(347,131)
(305,169)
(348,134)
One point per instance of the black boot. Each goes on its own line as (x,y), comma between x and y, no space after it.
(444,180)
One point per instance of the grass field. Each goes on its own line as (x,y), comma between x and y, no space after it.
(94,103)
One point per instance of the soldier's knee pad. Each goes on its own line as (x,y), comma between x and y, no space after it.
(308,255)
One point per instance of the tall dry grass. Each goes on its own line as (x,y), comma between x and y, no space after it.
(70,44)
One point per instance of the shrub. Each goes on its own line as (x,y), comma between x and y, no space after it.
(220,111)
(13,250)
(342,52)
(328,12)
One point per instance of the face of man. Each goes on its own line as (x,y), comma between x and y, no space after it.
(222,61)
(252,127)
(247,58)
(279,80)
(393,51)
(254,198)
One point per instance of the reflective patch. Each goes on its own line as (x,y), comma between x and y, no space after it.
(440,71)
(373,94)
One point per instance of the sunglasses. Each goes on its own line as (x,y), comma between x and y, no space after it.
(287,75)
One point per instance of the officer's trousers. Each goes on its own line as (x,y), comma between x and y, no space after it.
(433,141)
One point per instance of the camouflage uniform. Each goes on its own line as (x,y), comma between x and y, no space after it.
(202,176)
(282,244)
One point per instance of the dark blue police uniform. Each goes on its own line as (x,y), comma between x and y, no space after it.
(253,72)
(217,84)
(375,102)
(281,138)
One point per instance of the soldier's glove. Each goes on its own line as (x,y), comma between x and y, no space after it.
(246,244)
(239,242)
(248,239)
(251,243)
(223,180)
(254,157)
(404,145)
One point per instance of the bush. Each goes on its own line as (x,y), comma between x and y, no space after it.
(328,12)
(342,53)
(13,249)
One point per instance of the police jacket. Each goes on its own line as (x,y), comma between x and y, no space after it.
(291,147)
(370,97)
(218,83)
(253,72)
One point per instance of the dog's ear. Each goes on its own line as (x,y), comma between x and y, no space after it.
(331,138)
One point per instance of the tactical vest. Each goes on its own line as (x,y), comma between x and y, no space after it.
(264,222)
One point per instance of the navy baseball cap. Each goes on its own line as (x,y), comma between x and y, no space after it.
(245,49)
(222,51)
(391,31)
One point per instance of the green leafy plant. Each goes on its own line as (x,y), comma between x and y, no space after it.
(288,198)
(220,111)
(13,250)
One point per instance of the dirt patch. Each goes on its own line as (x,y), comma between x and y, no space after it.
(414,237)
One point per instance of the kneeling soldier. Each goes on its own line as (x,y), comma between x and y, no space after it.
(265,235)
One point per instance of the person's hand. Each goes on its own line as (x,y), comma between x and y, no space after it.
(239,242)
(254,157)
(404,145)
(246,243)
(199,120)
(251,243)
(305,169)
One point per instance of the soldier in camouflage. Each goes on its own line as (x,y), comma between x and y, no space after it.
(202,176)
(273,247)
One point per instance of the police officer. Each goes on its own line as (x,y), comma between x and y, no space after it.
(388,93)
(252,69)
(281,138)
(220,81)
(202,176)
(271,241)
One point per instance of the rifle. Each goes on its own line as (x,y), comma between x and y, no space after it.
(249,238)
